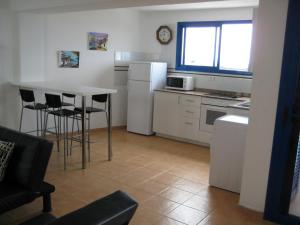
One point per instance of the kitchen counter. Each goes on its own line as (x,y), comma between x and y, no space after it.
(242,105)
(211,94)
(227,152)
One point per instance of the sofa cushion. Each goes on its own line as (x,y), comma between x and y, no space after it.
(6,149)
(12,196)
(43,219)
(29,159)
(114,209)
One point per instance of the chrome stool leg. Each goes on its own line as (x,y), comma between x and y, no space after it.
(41,122)
(21,119)
(37,123)
(56,132)
(89,139)
(67,135)
(46,122)
(64,135)
(72,134)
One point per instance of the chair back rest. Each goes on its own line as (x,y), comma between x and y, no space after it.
(115,209)
(53,101)
(29,160)
(68,95)
(27,95)
(100,98)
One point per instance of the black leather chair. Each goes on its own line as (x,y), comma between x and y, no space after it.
(115,209)
(23,180)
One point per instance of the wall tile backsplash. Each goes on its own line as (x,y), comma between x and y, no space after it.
(124,58)
(202,81)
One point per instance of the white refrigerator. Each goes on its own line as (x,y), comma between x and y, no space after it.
(143,79)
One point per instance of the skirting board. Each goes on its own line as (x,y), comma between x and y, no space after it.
(105,128)
(182,140)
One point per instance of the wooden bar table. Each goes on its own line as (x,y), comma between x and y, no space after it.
(84,92)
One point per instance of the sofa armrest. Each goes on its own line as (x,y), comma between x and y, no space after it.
(42,219)
(114,209)
(46,188)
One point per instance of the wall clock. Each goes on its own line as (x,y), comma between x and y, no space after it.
(164,35)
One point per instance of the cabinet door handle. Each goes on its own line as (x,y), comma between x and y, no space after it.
(190,100)
(188,123)
(187,111)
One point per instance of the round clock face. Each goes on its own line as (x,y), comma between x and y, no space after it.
(164,35)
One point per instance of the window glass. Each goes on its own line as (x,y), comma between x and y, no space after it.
(215,46)
(235,46)
(200,46)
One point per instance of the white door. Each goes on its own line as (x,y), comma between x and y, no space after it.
(209,114)
(140,107)
(139,71)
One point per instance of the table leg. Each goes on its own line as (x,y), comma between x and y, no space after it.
(109,128)
(83,132)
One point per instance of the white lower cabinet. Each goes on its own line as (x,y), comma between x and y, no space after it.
(189,117)
(189,128)
(190,100)
(190,112)
(166,113)
(177,115)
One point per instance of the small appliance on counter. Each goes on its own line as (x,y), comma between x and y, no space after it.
(183,83)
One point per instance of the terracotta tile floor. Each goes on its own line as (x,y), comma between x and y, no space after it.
(169,179)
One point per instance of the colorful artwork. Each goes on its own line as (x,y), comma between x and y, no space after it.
(68,59)
(97,41)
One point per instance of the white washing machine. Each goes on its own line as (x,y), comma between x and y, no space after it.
(227,152)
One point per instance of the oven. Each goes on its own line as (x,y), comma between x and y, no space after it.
(211,109)
(209,114)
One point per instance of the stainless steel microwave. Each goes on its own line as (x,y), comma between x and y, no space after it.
(185,83)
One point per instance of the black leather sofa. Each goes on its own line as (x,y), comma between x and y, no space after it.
(23,180)
(115,209)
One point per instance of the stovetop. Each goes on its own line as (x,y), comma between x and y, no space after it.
(223,94)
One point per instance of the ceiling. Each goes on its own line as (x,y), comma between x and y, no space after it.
(60,6)
(202,5)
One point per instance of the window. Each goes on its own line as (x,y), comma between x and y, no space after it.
(216,47)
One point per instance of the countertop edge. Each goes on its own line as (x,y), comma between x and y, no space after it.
(203,94)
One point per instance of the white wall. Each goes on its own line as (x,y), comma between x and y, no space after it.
(8,66)
(31,57)
(68,31)
(150,21)
(32,46)
(269,41)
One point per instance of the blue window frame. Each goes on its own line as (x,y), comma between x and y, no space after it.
(215,47)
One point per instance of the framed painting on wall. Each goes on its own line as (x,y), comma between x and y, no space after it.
(68,59)
(97,41)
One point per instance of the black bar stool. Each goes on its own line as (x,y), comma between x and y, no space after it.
(90,110)
(28,102)
(68,96)
(54,105)
(72,97)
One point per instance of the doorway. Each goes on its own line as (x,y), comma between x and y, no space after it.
(283,198)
